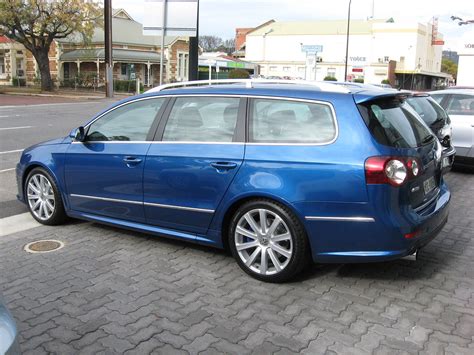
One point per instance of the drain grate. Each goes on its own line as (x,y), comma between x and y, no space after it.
(43,246)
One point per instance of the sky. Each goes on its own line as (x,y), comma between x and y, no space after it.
(221,17)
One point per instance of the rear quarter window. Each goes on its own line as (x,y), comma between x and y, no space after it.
(285,121)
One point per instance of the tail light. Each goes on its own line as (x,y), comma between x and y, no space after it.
(391,170)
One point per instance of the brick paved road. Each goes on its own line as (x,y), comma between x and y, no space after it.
(122,292)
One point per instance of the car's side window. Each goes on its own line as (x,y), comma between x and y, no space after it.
(282,121)
(461,105)
(130,122)
(202,119)
(437,97)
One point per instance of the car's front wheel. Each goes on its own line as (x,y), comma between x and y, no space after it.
(44,200)
(268,241)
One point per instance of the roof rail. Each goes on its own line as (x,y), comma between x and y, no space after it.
(249,83)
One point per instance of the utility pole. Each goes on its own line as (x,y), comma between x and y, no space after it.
(347,40)
(109,64)
(194,52)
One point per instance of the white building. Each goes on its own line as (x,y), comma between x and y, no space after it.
(405,53)
(466,65)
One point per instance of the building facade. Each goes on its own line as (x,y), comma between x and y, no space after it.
(465,75)
(407,54)
(73,62)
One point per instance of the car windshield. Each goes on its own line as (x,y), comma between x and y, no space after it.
(428,109)
(394,123)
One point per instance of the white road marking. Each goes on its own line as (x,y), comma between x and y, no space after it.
(9,128)
(5,170)
(12,151)
(17,223)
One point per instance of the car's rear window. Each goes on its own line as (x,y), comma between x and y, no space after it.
(394,123)
(428,109)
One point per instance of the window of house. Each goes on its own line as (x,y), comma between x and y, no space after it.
(331,72)
(124,69)
(301,70)
(130,122)
(2,63)
(202,119)
(182,69)
(273,68)
(286,69)
(281,121)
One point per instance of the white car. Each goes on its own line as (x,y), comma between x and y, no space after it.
(459,104)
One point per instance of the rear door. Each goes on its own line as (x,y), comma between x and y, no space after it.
(460,108)
(197,152)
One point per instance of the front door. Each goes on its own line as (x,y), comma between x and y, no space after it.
(188,171)
(104,173)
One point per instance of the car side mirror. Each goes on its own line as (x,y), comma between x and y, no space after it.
(77,134)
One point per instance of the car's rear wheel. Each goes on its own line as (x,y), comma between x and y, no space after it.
(268,241)
(44,200)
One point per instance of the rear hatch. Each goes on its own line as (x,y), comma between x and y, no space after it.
(396,125)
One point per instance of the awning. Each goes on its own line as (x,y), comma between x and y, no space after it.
(422,72)
(119,55)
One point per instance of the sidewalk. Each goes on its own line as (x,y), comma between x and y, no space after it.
(62,93)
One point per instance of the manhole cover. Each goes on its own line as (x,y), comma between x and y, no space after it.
(43,246)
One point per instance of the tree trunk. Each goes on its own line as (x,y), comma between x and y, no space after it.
(42,59)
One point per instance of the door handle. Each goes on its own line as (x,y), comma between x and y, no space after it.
(223,165)
(132,160)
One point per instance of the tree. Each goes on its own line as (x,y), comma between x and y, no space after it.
(448,66)
(37,23)
(210,43)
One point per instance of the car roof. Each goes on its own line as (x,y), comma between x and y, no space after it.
(453,91)
(294,89)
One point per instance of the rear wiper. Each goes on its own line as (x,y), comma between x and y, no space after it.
(427,139)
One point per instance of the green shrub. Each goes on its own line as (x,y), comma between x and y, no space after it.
(358,80)
(18,82)
(239,74)
(330,78)
(385,81)
(126,85)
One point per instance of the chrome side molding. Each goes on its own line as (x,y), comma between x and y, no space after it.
(340,219)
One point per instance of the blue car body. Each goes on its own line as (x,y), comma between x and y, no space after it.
(176,190)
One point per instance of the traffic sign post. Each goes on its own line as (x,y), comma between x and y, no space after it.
(311,51)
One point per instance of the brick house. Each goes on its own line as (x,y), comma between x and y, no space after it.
(134,55)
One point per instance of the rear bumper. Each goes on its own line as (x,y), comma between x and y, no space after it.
(382,239)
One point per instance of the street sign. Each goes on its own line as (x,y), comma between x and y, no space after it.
(311,48)
(180,17)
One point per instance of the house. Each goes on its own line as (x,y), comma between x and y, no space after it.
(72,61)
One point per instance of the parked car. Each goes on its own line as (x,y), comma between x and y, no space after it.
(459,104)
(8,332)
(279,173)
(438,120)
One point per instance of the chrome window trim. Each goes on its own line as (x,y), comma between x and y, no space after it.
(107,199)
(118,106)
(193,209)
(334,116)
(340,219)
(331,107)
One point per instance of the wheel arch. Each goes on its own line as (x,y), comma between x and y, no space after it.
(34,165)
(236,203)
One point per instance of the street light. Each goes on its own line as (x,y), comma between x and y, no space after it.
(347,39)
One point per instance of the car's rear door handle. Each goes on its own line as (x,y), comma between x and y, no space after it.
(223,165)
(129,160)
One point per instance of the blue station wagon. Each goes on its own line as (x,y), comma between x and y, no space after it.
(280,173)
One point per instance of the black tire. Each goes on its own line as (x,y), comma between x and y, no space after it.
(58,216)
(300,256)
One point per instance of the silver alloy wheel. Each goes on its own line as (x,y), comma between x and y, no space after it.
(40,196)
(263,241)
